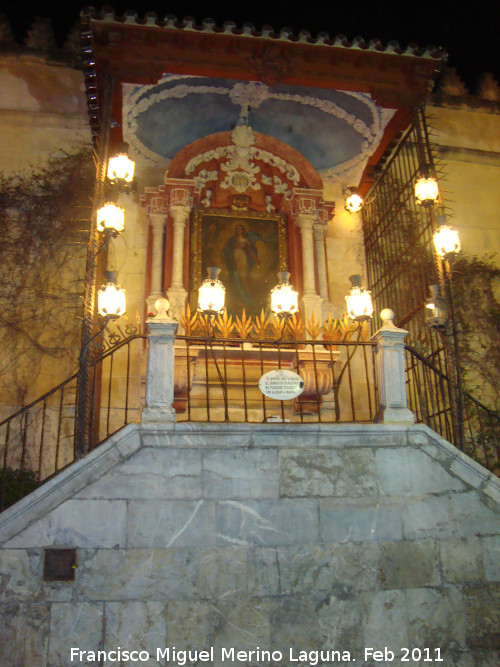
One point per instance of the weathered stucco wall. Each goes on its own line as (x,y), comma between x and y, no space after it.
(279,537)
(468,142)
(42,109)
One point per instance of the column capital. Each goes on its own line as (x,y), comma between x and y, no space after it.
(305,221)
(320,231)
(157,221)
(180,213)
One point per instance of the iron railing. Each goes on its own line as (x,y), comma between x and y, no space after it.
(216,379)
(38,440)
(430,397)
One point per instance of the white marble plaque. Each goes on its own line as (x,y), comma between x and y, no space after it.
(281,385)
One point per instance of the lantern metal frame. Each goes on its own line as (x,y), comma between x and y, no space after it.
(121,183)
(357,290)
(439,244)
(438,318)
(212,281)
(426,177)
(111,282)
(284,287)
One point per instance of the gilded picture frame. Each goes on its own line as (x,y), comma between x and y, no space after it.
(249,247)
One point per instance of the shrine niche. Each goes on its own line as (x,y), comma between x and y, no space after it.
(249,205)
(248,246)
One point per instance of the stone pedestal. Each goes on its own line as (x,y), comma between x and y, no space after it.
(390,368)
(160,373)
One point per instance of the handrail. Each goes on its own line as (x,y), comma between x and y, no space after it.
(429,398)
(38,440)
(62,384)
(436,370)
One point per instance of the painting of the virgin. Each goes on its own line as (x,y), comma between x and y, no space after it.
(248,247)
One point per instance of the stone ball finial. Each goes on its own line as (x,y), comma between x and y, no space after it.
(387,316)
(162,305)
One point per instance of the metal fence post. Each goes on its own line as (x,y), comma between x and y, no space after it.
(390,368)
(160,373)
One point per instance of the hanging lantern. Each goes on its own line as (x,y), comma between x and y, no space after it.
(111,298)
(359,301)
(426,188)
(353,202)
(437,309)
(110,217)
(446,241)
(121,167)
(284,299)
(211,293)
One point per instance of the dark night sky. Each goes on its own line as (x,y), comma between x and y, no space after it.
(468,29)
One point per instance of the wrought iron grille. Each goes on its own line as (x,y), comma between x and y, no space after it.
(401,264)
(216,379)
(39,440)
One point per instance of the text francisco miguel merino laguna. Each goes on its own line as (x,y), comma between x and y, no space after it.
(183,657)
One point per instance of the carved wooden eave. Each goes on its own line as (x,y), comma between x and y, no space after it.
(141,51)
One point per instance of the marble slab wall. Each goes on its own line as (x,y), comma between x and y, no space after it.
(279,538)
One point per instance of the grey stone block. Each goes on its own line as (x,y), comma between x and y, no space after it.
(241,473)
(491,557)
(137,574)
(151,473)
(341,618)
(461,560)
(73,625)
(295,624)
(360,521)
(329,567)
(458,515)
(170,523)
(409,564)
(221,572)
(21,575)
(385,620)
(243,624)
(483,616)
(435,618)
(24,634)
(135,625)
(408,471)
(280,436)
(191,624)
(77,523)
(267,522)
(267,573)
(327,472)
(362,435)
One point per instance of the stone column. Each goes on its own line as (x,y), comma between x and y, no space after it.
(157,222)
(176,292)
(310,300)
(390,368)
(319,238)
(160,372)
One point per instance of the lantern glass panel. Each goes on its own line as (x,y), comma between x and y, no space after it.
(111,300)
(359,304)
(121,167)
(211,296)
(284,300)
(446,240)
(426,189)
(354,203)
(110,216)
